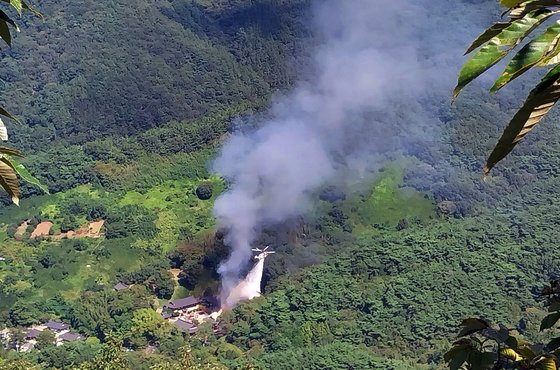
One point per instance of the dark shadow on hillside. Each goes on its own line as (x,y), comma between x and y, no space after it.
(265,16)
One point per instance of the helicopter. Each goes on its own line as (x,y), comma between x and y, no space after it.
(262,253)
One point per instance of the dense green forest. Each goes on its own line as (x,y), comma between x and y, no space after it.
(124,106)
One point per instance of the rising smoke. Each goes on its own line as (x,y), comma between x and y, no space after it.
(374,59)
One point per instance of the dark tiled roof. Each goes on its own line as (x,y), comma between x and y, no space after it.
(32,334)
(186,326)
(54,325)
(70,337)
(120,286)
(183,303)
(165,315)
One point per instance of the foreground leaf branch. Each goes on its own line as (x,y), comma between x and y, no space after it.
(481,345)
(9,167)
(543,51)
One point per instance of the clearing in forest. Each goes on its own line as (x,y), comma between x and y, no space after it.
(93,230)
(42,229)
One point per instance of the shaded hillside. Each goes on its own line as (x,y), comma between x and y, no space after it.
(108,68)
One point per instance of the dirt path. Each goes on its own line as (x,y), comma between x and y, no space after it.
(42,229)
(175,273)
(93,230)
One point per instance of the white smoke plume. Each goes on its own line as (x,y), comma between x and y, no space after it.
(374,58)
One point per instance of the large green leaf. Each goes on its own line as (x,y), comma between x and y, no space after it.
(498,47)
(25,175)
(481,360)
(526,351)
(472,325)
(528,6)
(510,354)
(539,102)
(550,320)
(21,4)
(553,58)
(459,353)
(7,19)
(32,10)
(9,181)
(553,344)
(512,342)
(5,33)
(458,356)
(495,30)
(9,151)
(5,113)
(545,363)
(17,5)
(530,55)
(3,131)
(554,306)
(511,3)
(500,335)
(4,29)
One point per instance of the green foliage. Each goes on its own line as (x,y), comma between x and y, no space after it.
(497,42)
(148,327)
(16,339)
(155,277)
(481,346)
(66,168)
(499,46)
(130,220)
(389,195)
(198,261)
(24,314)
(45,339)
(337,355)
(103,312)
(17,365)
(501,348)
(68,355)
(111,357)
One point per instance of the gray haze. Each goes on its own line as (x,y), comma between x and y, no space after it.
(373,60)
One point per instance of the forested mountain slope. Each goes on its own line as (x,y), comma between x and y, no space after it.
(124,106)
(110,68)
